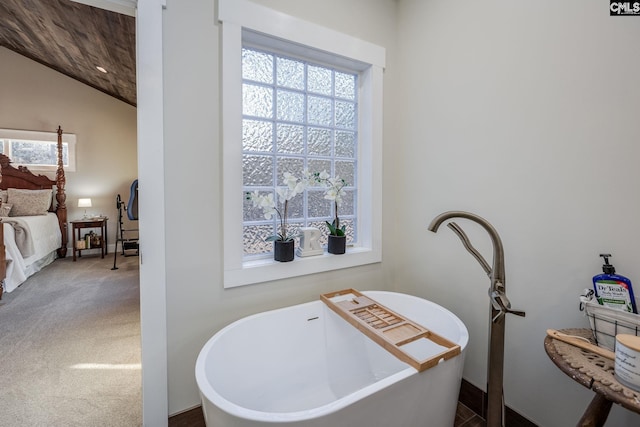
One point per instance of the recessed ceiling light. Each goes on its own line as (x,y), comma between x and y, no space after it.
(101,69)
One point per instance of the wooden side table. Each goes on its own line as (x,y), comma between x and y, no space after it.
(593,372)
(80,224)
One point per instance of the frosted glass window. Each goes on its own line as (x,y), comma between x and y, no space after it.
(290,138)
(290,73)
(319,164)
(296,115)
(253,238)
(345,115)
(257,170)
(290,106)
(296,208)
(320,111)
(348,207)
(346,170)
(253,214)
(319,141)
(319,207)
(257,101)
(259,66)
(320,80)
(345,144)
(257,135)
(293,165)
(345,86)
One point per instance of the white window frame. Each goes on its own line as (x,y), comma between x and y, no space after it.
(239,15)
(44,137)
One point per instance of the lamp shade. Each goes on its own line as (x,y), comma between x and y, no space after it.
(84,203)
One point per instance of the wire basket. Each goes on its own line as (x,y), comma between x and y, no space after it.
(607,322)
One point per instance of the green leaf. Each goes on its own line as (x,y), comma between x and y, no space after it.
(336,231)
(332,229)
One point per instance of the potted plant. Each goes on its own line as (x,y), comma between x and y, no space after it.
(335,192)
(283,249)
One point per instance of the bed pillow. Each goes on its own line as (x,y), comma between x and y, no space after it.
(5,209)
(29,202)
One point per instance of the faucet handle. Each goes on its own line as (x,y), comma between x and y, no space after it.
(499,300)
(517,312)
(502,304)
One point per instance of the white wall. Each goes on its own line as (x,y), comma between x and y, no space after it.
(525,113)
(35,97)
(197,304)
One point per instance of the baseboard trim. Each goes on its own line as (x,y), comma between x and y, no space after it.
(476,399)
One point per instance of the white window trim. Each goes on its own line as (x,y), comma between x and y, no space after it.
(29,135)
(235,16)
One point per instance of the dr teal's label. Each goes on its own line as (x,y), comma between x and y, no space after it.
(627,364)
(614,294)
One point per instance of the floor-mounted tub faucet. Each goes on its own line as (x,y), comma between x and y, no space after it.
(500,306)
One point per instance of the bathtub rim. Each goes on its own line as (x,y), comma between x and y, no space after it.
(207,391)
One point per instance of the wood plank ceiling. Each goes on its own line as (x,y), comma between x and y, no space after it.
(74,39)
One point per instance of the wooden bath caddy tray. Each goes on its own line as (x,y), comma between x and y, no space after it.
(405,339)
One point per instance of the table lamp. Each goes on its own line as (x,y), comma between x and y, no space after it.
(84,203)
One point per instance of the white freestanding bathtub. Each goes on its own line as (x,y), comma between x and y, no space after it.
(306,366)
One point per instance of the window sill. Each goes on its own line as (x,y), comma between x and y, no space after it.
(265,270)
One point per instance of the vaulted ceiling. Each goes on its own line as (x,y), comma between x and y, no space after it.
(73,39)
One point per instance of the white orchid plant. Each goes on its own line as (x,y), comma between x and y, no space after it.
(334,192)
(291,188)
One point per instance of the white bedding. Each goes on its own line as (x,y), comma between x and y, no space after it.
(46,240)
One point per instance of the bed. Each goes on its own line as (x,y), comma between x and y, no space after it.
(34,229)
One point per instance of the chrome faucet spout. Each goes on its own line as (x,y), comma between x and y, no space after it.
(467,244)
(496,273)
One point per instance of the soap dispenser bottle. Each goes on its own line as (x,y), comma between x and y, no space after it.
(613,290)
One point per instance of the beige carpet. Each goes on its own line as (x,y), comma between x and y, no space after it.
(70,346)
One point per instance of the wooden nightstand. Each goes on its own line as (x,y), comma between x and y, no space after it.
(99,223)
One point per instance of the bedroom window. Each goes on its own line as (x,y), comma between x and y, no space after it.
(295,96)
(37,150)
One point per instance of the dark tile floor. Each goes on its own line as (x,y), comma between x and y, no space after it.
(465,417)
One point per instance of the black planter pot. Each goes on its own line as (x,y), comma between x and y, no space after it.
(337,244)
(283,251)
